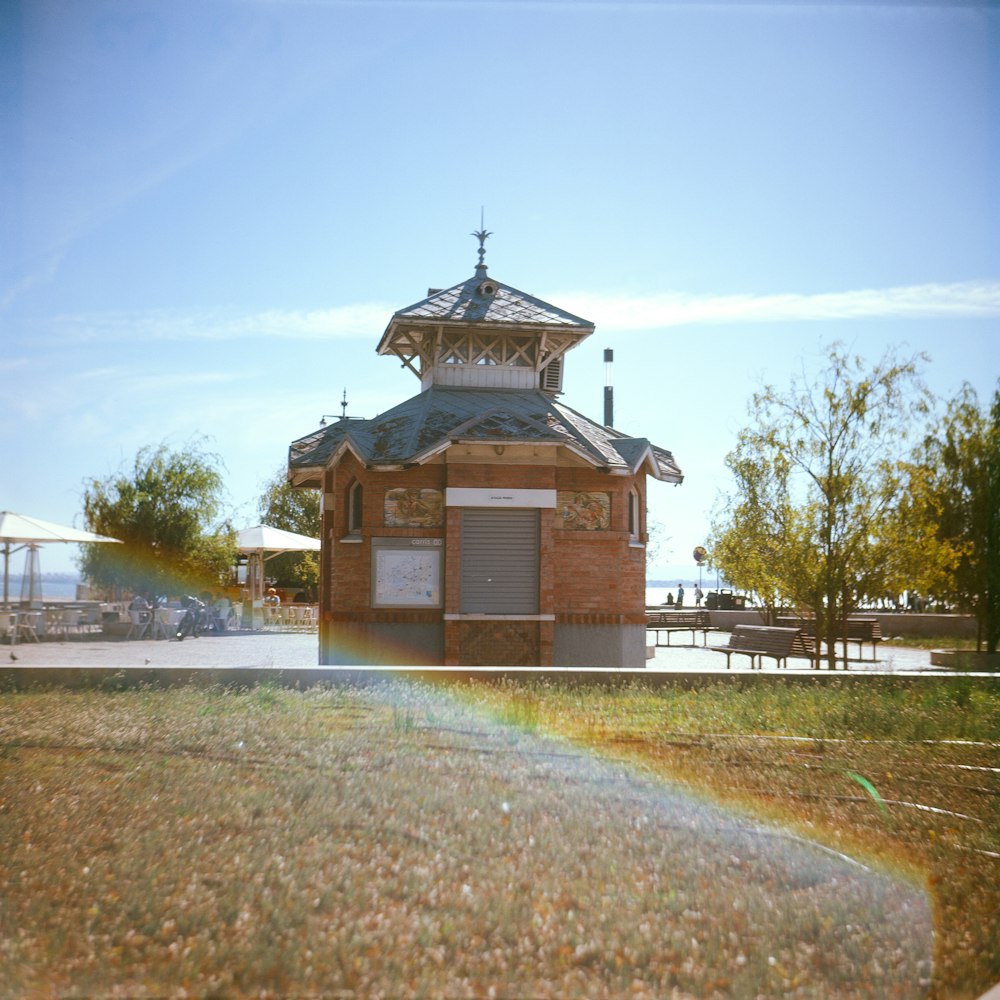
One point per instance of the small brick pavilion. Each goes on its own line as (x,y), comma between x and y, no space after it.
(481,522)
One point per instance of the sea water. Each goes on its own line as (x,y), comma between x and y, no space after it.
(658,595)
(52,590)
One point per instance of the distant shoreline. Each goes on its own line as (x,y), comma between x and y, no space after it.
(49,578)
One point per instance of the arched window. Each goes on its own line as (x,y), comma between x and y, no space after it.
(634,520)
(355,506)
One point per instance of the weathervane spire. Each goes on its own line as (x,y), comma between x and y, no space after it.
(482,235)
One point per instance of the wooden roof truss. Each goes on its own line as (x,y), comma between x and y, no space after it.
(420,348)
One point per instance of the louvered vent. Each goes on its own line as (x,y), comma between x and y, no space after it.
(552,377)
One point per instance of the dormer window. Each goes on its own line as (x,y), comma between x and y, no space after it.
(487,288)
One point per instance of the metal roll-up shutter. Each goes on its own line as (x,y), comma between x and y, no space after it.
(499,561)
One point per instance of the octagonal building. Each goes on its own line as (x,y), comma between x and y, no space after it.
(481,522)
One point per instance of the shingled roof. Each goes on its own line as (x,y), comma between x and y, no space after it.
(425,425)
(481,299)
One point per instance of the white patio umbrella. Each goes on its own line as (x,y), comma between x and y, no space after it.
(18,531)
(263,542)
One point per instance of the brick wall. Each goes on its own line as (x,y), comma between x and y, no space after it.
(586,577)
(497,643)
(601,573)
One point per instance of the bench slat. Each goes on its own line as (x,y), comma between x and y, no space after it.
(696,620)
(758,641)
(859,630)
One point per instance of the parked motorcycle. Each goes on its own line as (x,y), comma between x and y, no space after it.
(194,621)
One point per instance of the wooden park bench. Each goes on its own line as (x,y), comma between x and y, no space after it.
(862,630)
(859,630)
(758,641)
(666,620)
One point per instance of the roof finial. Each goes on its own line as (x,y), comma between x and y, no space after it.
(482,235)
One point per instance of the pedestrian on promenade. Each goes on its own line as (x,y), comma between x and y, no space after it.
(680,595)
(698,595)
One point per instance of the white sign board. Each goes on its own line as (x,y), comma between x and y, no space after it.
(458,496)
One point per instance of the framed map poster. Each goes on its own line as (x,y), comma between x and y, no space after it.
(406,572)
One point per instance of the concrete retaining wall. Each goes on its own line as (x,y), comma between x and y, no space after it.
(901,623)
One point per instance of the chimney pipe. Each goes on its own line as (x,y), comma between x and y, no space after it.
(609,391)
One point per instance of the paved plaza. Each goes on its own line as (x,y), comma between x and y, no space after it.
(299,650)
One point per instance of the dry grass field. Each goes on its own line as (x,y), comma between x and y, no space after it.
(903,777)
(493,841)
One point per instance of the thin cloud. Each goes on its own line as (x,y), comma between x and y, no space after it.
(41,274)
(962,299)
(367,320)
(361,320)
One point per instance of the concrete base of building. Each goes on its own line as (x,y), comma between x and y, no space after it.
(608,646)
(389,644)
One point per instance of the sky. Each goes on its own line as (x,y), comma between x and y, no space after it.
(210,209)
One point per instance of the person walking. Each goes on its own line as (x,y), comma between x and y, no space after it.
(698,595)
(680,595)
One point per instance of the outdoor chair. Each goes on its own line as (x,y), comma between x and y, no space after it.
(140,624)
(69,618)
(165,621)
(221,612)
(309,619)
(27,624)
(89,619)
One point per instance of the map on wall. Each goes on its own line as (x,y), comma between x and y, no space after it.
(408,507)
(579,511)
(408,577)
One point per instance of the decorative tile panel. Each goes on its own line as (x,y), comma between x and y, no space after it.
(409,507)
(583,511)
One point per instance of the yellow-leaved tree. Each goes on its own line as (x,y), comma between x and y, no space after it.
(820,520)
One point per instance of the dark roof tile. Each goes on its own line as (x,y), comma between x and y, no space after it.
(415,429)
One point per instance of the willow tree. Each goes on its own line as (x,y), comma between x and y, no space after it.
(818,519)
(961,492)
(168,510)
